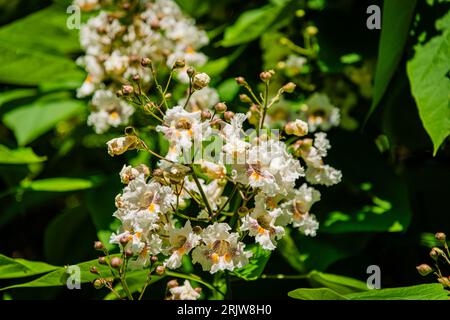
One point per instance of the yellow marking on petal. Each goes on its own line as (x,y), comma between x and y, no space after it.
(261,230)
(114,115)
(255,176)
(215,258)
(88,79)
(138,234)
(190,50)
(152,208)
(227,257)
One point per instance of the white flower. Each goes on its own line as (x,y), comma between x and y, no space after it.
(308,225)
(221,250)
(141,203)
(87,5)
(261,224)
(109,111)
(299,204)
(321,143)
(271,168)
(320,113)
(297,127)
(294,64)
(323,174)
(212,190)
(129,173)
(181,241)
(117,146)
(184,292)
(212,170)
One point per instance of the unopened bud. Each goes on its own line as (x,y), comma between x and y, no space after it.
(93,270)
(198,290)
(440,236)
(98,283)
(190,71)
(220,107)
(300,13)
(117,146)
(254,108)
(297,127)
(289,87)
(240,81)
(266,75)
(228,115)
(200,81)
(242,211)
(145,62)
(206,115)
(160,270)
(98,245)
(312,30)
(172,284)
(245,98)
(424,269)
(158,172)
(154,259)
(435,253)
(119,94)
(180,63)
(128,253)
(444,281)
(101,260)
(197,229)
(127,89)
(116,262)
(124,240)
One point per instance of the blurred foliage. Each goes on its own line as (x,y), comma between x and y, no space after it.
(58,183)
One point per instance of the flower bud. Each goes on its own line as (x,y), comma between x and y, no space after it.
(127,89)
(444,281)
(180,63)
(424,269)
(124,240)
(160,270)
(228,115)
(220,107)
(128,253)
(93,270)
(116,262)
(99,283)
(136,77)
(254,108)
(245,98)
(435,253)
(158,173)
(197,229)
(117,146)
(297,127)
(190,71)
(206,115)
(119,94)
(145,62)
(242,211)
(289,87)
(312,30)
(154,259)
(440,236)
(98,245)
(198,290)
(240,81)
(200,81)
(266,75)
(102,260)
(172,284)
(300,13)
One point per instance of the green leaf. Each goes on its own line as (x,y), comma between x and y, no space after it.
(60,276)
(289,251)
(52,22)
(24,66)
(316,294)
(60,184)
(12,95)
(257,263)
(30,121)
(19,156)
(340,284)
(428,75)
(252,24)
(17,268)
(397,15)
(433,291)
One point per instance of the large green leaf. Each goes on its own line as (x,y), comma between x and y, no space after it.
(19,156)
(44,31)
(59,184)
(59,276)
(428,75)
(28,122)
(316,294)
(433,291)
(397,16)
(340,284)
(18,268)
(253,23)
(257,263)
(12,95)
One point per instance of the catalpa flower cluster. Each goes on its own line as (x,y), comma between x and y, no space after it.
(115,39)
(224,183)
